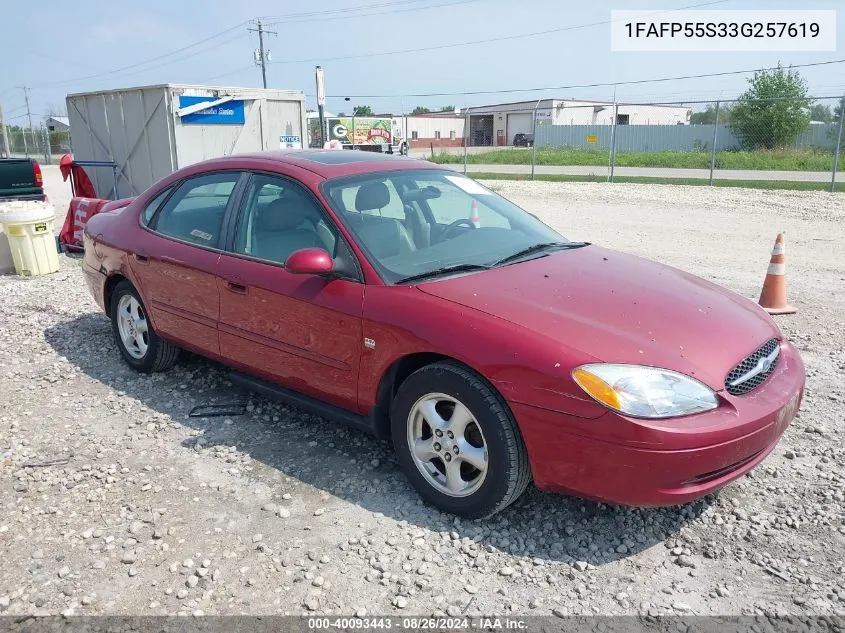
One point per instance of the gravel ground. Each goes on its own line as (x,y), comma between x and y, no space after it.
(114,501)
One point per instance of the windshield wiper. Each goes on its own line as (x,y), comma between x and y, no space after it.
(536,248)
(444,270)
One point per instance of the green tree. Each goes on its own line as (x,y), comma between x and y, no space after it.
(420,110)
(362,110)
(774,109)
(821,112)
(447,108)
(708,116)
(341,114)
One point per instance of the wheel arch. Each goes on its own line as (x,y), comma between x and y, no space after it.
(111,283)
(399,371)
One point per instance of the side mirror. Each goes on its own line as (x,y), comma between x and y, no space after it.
(309,261)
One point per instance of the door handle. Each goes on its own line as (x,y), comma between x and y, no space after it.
(236,287)
(141,259)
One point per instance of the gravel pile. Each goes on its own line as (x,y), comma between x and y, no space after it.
(114,501)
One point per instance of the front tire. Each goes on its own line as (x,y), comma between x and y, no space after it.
(138,342)
(457,441)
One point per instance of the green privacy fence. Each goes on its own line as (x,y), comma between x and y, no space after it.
(670,138)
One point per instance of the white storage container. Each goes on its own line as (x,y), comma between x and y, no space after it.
(151,131)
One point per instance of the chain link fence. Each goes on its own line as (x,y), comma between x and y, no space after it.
(768,143)
(39,143)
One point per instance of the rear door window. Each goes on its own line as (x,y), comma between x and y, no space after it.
(195,211)
(153,205)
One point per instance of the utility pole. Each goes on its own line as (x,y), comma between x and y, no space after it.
(262,56)
(28,116)
(6,152)
(28,113)
(321,102)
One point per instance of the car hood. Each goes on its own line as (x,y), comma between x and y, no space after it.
(620,308)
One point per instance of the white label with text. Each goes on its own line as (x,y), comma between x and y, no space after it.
(723,31)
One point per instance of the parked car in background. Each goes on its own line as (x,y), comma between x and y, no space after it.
(415,304)
(523,140)
(21,179)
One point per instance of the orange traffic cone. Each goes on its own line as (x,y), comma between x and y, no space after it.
(473,215)
(773,295)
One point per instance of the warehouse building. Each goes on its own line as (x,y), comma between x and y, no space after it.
(498,124)
(435,131)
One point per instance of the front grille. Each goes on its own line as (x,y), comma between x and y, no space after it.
(749,364)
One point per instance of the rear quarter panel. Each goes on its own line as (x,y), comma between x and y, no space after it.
(109,240)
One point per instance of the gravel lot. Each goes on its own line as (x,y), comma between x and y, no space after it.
(114,501)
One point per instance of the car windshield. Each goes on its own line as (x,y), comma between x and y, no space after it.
(412,223)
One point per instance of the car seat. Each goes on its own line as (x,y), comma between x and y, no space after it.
(384,237)
(283,227)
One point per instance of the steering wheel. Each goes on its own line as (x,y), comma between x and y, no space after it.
(459,222)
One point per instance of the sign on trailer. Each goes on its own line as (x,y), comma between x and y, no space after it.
(287,141)
(229,113)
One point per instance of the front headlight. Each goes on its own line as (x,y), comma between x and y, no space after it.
(644,392)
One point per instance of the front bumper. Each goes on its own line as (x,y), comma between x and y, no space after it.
(664,462)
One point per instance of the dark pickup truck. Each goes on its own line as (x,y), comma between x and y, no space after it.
(20,179)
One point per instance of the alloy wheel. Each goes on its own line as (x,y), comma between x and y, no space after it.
(132,326)
(447,445)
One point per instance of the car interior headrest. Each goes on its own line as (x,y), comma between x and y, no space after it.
(373,195)
(284,214)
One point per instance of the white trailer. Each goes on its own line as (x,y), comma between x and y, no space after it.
(150,131)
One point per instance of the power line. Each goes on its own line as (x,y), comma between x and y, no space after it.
(57,59)
(65,82)
(630,82)
(360,7)
(20,116)
(320,18)
(230,72)
(195,53)
(20,107)
(484,41)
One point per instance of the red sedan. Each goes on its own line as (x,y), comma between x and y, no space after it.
(412,302)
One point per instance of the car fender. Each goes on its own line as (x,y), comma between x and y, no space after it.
(525,367)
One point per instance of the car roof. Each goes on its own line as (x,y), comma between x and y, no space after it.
(333,163)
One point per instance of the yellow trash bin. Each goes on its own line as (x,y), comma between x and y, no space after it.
(32,238)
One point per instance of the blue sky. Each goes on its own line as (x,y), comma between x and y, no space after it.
(59,52)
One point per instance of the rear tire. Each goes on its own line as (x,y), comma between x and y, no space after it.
(457,441)
(141,347)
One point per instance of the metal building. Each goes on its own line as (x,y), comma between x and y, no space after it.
(435,131)
(498,124)
(150,131)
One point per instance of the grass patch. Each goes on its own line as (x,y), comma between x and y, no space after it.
(646,180)
(773,160)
